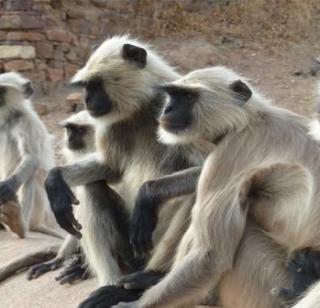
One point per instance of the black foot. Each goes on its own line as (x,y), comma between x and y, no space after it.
(42,268)
(75,270)
(109,296)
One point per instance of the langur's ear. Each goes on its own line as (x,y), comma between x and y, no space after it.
(28,89)
(241,90)
(134,54)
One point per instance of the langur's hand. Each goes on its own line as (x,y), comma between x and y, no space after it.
(144,220)
(61,199)
(108,296)
(140,280)
(7,192)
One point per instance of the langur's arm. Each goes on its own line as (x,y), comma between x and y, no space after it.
(23,172)
(151,196)
(60,195)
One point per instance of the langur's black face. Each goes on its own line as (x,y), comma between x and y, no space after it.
(76,136)
(98,102)
(177,113)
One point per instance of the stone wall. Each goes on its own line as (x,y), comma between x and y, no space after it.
(48,40)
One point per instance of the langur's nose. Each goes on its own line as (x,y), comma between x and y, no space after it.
(168,109)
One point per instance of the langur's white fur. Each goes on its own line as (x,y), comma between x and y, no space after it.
(23,137)
(100,259)
(106,62)
(265,150)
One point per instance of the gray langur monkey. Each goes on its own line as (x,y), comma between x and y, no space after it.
(120,81)
(26,155)
(264,172)
(105,241)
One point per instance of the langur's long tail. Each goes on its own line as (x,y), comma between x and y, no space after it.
(23,263)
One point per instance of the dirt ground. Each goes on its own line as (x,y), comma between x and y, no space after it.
(283,75)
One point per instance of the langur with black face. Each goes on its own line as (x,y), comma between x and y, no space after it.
(120,81)
(264,172)
(101,221)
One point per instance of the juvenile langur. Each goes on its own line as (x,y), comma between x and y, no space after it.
(105,241)
(258,143)
(26,155)
(120,80)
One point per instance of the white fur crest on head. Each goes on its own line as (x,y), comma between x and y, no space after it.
(111,49)
(13,80)
(217,109)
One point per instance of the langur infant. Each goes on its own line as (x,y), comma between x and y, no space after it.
(26,156)
(101,221)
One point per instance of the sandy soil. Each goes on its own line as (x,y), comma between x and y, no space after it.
(272,71)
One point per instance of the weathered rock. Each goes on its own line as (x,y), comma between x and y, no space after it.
(18,65)
(10,22)
(44,50)
(70,70)
(41,109)
(24,36)
(32,22)
(3,35)
(58,36)
(99,3)
(80,26)
(73,100)
(17,51)
(18,5)
(76,14)
(54,74)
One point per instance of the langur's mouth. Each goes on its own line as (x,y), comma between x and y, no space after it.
(96,114)
(172,126)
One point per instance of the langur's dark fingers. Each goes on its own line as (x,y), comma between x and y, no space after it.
(37,271)
(73,198)
(67,271)
(71,278)
(92,302)
(70,217)
(70,224)
(66,225)
(77,224)
(85,275)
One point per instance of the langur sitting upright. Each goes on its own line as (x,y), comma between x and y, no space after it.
(105,241)
(26,155)
(121,80)
(265,172)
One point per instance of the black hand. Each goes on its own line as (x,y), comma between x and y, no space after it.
(61,199)
(141,280)
(144,220)
(7,192)
(109,296)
